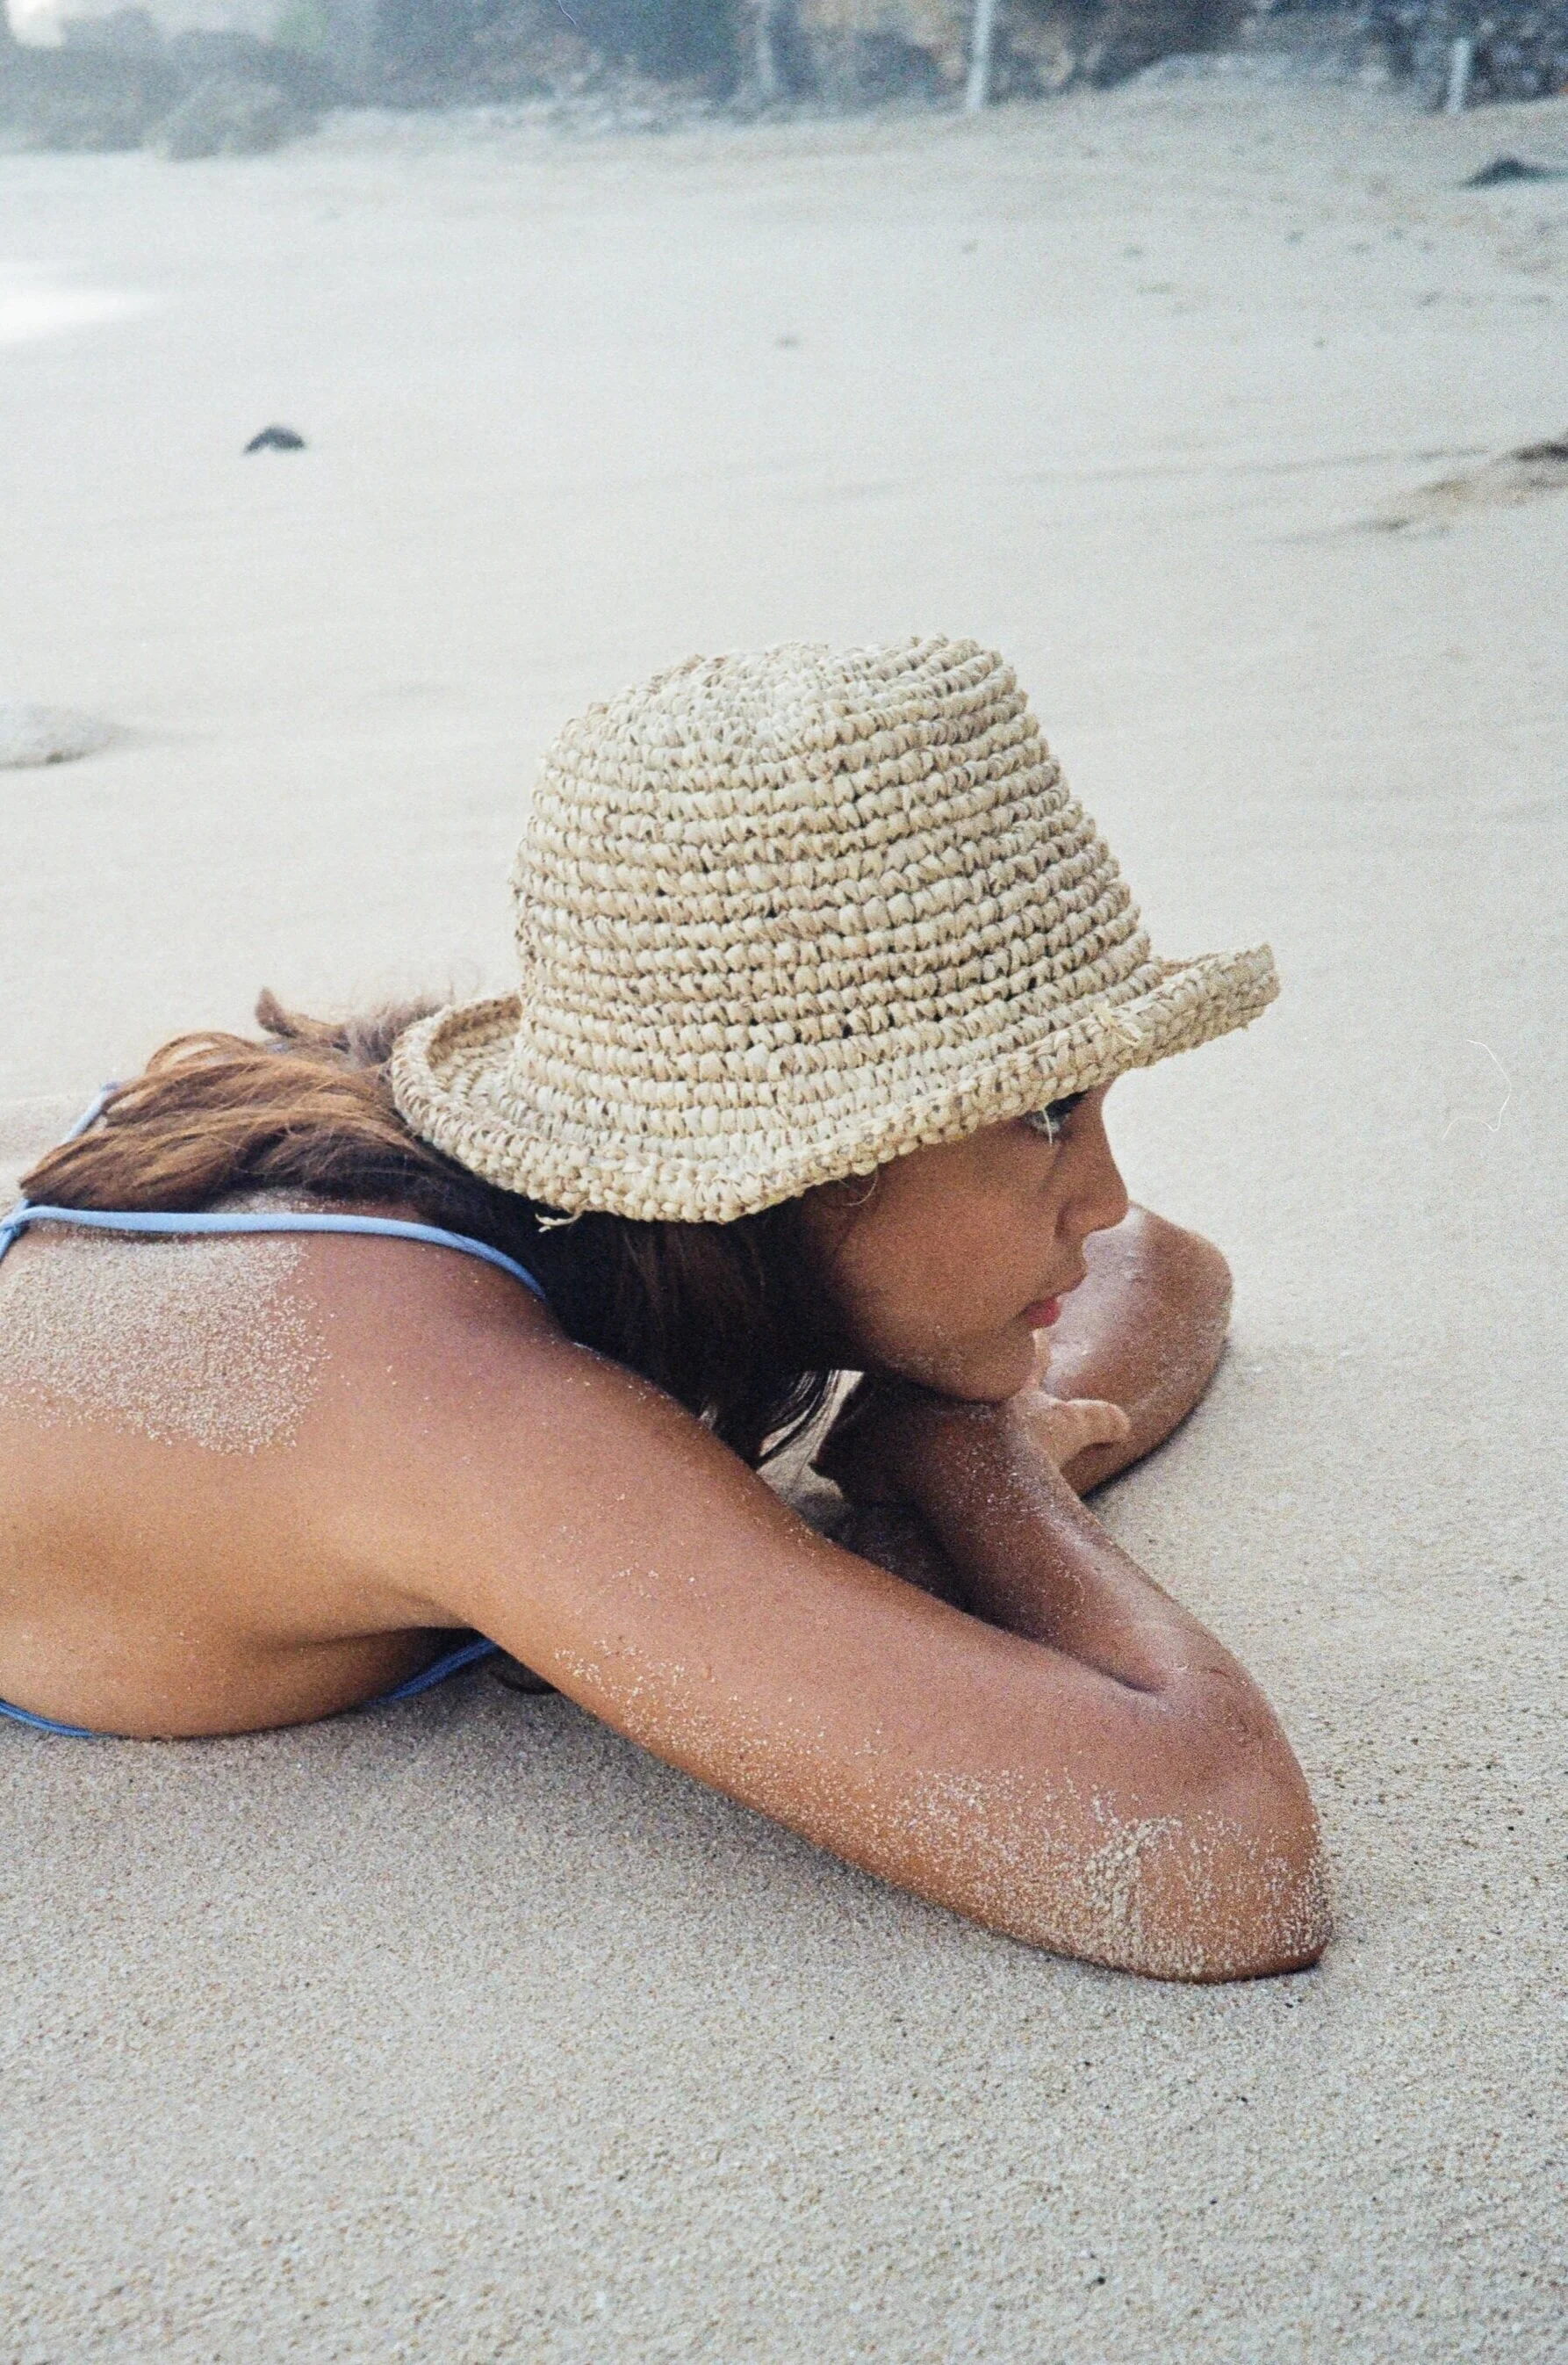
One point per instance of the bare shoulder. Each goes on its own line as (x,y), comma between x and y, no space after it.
(491,1454)
(526,1461)
(594,1529)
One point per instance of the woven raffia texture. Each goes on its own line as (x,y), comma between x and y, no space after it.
(784,915)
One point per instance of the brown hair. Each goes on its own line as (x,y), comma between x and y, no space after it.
(719,1316)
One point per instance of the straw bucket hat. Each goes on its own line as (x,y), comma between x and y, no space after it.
(784,915)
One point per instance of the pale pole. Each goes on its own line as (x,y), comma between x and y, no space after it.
(766,78)
(351,34)
(982,35)
(1461,59)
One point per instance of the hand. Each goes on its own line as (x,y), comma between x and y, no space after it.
(881,1424)
(1064,1427)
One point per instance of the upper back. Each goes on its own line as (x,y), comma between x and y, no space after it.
(199,1444)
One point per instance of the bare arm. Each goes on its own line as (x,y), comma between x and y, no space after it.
(1024,1554)
(1144,1332)
(967,1501)
(1104,1781)
(1145,1329)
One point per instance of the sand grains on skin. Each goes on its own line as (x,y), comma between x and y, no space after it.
(206,1343)
(1043,1861)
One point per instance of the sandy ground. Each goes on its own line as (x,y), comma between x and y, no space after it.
(462,2031)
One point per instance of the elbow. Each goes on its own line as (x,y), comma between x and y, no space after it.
(1216,1885)
(1184,1268)
(1201,1862)
(1229,1879)
(1276,1915)
(1194,1280)
(1239,1883)
(1206,1897)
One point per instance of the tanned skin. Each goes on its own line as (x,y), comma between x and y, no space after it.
(1057,1749)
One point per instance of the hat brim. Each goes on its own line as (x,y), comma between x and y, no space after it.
(455,1083)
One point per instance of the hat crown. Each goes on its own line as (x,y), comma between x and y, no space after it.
(754,855)
(785,914)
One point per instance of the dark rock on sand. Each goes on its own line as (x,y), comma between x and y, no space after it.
(48,735)
(1503,169)
(1523,474)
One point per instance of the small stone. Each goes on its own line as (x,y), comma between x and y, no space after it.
(1503,169)
(48,735)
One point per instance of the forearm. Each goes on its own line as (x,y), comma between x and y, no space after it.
(1226,1864)
(1029,1558)
(1145,1329)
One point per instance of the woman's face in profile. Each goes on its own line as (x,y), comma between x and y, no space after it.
(945,1270)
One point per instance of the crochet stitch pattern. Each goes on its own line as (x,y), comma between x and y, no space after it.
(786,914)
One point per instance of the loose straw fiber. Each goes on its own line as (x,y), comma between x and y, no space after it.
(787,914)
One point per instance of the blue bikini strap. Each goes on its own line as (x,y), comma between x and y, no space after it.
(14,1224)
(385,1228)
(449,1664)
(49,1724)
(95,1220)
(91,1114)
(464,1656)
(99,1219)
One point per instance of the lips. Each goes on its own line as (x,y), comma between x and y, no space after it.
(1041,1312)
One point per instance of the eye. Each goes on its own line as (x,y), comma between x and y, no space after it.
(1052,1120)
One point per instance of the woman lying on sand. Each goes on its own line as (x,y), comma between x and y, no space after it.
(826,978)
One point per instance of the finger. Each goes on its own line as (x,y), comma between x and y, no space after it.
(1100,1421)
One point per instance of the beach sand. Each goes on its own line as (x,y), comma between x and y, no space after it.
(461,2030)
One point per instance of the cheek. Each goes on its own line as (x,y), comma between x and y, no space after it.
(955,1271)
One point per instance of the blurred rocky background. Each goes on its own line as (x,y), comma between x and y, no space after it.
(241,76)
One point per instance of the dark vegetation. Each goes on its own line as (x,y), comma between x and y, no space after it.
(427,51)
(1517,49)
(118,83)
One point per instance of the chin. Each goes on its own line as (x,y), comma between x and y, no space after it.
(990,1375)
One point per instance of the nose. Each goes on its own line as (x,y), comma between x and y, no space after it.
(1100,1202)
